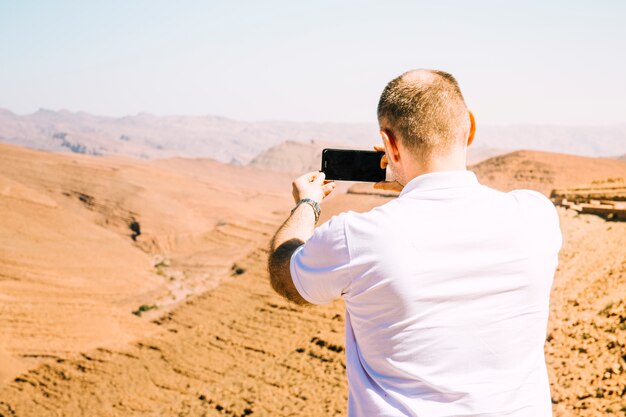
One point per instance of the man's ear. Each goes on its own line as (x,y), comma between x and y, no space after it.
(470,138)
(391,144)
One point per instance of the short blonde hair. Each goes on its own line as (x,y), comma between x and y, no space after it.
(426,109)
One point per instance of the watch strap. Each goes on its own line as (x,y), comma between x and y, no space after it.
(312,203)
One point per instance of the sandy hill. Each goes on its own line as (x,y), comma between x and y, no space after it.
(478,153)
(294,157)
(84,241)
(544,171)
(238,349)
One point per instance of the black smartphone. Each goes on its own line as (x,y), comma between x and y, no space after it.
(352,165)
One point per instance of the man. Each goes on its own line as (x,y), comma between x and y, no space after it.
(447,287)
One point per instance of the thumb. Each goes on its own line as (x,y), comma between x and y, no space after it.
(319,179)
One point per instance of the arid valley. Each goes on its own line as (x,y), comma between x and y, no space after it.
(150,151)
(133,287)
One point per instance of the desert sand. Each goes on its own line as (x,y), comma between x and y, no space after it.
(73,269)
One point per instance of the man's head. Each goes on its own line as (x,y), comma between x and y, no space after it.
(425,112)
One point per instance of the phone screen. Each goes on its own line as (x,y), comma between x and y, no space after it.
(352,165)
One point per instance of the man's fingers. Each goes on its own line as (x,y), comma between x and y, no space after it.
(312,185)
(383,161)
(328,188)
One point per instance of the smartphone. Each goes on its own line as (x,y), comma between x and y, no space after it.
(352,165)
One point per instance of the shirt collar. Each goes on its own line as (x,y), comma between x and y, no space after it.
(440,180)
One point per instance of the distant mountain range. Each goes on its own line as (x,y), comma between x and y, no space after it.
(605,141)
(148,136)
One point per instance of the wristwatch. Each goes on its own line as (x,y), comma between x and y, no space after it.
(312,203)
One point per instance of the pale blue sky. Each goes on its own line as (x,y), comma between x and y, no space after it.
(555,62)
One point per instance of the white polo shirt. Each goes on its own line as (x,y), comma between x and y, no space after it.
(446,291)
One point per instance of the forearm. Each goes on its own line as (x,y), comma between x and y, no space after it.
(299,226)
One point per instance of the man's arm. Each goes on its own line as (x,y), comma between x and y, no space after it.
(296,230)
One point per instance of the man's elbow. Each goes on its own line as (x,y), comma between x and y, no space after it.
(280,279)
(275,278)
(278,285)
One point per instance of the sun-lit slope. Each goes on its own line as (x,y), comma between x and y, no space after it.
(586,338)
(236,350)
(295,157)
(544,171)
(84,241)
(478,153)
(66,282)
(240,350)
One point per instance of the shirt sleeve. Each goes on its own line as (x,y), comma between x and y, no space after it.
(320,267)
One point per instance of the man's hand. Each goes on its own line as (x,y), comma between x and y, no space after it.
(313,186)
(386,185)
